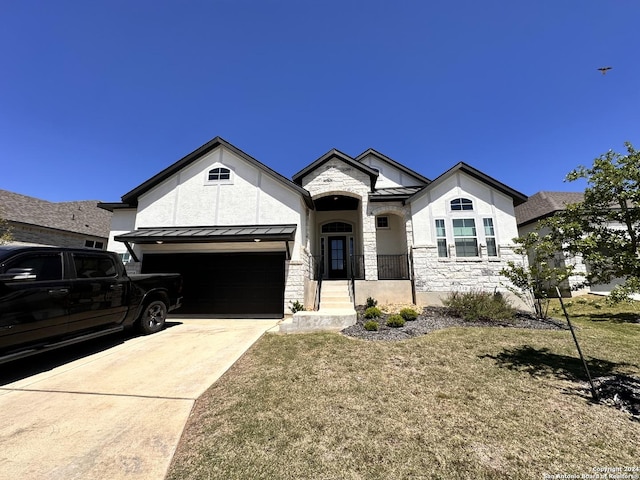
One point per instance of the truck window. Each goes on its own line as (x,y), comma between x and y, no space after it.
(93,266)
(36,267)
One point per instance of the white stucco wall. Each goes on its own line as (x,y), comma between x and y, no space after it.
(122,221)
(392,240)
(251,197)
(390,176)
(487,203)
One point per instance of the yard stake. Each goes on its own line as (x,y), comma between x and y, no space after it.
(575,339)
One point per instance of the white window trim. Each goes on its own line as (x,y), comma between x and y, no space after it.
(228,181)
(461,210)
(481,237)
(388,227)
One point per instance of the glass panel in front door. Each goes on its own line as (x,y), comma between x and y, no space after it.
(337,256)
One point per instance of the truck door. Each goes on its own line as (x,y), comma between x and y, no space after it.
(98,293)
(34,298)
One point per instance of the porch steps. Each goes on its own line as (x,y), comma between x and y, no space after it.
(335,295)
(336,311)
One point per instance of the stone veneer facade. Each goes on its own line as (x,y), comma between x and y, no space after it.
(337,178)
(435,275)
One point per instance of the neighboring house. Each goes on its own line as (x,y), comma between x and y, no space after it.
(543,205)
(249,241)
(64,224)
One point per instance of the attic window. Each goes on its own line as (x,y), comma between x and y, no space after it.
(219,173)
(461,204)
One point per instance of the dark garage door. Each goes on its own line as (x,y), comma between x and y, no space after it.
(226,284)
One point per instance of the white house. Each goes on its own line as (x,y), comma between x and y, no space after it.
(250,241)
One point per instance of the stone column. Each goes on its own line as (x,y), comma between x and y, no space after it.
(369,243)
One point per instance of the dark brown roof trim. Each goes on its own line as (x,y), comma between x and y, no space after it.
(373,174)
(392,162)
(131,198)
(114,206)
(518,198)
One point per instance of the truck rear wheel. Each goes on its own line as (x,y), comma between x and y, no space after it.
(153,317)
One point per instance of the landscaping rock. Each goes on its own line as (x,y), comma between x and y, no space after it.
(436,318)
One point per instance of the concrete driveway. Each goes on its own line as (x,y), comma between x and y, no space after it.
(114,408)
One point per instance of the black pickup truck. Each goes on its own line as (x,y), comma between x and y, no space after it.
(52,297)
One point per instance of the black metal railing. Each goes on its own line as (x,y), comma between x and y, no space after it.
(393,267)
(357,267)
(316,272)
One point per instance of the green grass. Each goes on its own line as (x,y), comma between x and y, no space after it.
(481,403)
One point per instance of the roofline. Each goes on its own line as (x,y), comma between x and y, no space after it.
(44,227)
(550,196)
(131,197)
(400,197)
(538,218)
(334,153)
(111,206)
(518,197)
(391,161)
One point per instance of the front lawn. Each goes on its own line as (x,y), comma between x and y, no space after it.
(462,402)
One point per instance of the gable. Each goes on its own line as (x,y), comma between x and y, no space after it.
(340,162)
(516,197)
(391,173)
(197,194)
(131,198)
(487,201)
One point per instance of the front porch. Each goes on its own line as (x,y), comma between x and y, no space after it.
(388,267)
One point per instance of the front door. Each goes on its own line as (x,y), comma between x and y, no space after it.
(337,257)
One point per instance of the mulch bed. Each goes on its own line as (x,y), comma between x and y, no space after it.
(436,318)
(618,391)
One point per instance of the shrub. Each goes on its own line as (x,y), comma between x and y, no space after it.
(371,302)
(408,314)
(395,321)
(296,306)
(371,326)
(372,312)
(477,305)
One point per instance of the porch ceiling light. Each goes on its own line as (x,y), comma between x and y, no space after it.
(256,240)
(159,242)
(335,198)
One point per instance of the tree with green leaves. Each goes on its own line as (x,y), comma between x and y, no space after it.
(543,267)
(5,231)
(605,227)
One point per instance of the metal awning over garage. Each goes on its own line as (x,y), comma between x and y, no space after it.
(209,234)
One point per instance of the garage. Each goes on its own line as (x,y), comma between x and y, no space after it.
(226,284)
(237,283)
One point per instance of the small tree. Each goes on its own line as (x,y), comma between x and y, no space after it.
(543,267)
(5,231)
(605,227)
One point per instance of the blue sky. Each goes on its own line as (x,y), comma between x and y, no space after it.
(98,96)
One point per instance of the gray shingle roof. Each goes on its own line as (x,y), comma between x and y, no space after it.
(82,217)
(545,204)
